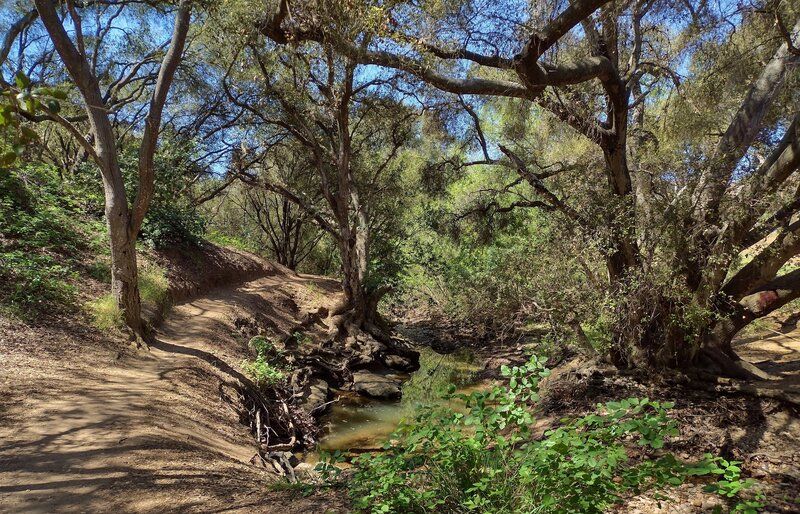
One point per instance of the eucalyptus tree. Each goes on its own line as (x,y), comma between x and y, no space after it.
(352,130)
(98,47)
(674,230)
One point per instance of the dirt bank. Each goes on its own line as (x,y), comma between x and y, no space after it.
(88,424)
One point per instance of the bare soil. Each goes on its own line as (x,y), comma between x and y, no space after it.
(88,424)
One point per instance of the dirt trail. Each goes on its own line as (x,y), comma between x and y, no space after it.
(147,432)
(87,425)
(774,348)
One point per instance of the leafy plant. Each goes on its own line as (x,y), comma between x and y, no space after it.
(39,244)
(263,370)
(730,483)
(16,100)
(169,225)
(482,458)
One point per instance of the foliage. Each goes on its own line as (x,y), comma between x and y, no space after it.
(106,313)
(169,225)
(263,370)
(172,219)
(730,483)
(153,286)
(40,243)
(482,458)
(16,100)
(153,290)
(495,271)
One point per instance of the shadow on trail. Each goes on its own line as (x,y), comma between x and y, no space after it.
(212,360)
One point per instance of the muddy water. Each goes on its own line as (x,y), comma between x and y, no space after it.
(356,422)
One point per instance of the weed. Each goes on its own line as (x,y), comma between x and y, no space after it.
(153,290)
(485,460)
(263,370)
(105,312)
(153,286)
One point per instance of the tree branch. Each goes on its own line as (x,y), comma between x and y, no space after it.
(153,121)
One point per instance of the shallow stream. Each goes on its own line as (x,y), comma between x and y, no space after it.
(358,423)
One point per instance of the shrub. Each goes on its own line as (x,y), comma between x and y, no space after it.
(483,459)
(264,370)
(40,244)
(170,225)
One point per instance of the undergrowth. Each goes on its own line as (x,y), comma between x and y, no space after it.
(264,370)
(40,244)
(484,459)
(154,292)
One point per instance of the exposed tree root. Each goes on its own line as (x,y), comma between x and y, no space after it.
(730,365)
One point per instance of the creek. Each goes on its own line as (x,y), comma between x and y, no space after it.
(355,422)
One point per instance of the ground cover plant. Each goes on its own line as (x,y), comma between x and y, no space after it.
(485,458)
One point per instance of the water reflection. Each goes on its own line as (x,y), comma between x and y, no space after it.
(355,422)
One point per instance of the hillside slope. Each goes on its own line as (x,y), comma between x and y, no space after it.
(89,424)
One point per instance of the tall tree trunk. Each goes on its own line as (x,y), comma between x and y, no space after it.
(124,221)
(354,271)
(124,274)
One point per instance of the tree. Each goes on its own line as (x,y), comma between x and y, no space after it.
(82,62)
(603,69)
(289,230)
(352,133)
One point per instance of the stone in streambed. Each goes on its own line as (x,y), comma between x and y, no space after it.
(316,396)
(400,363)
(374,385)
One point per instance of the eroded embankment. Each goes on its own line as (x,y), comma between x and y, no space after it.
(89,424)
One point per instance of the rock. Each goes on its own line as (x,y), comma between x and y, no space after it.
(304,467)
(400,363)
(375,385)
(495,363)
(290,457)
(314,400)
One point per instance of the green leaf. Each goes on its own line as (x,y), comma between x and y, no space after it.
(22,80)
(53,106)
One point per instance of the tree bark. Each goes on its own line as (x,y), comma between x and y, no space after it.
(123,222)
(124,271)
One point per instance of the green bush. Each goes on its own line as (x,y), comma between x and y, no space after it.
(483,459)
(264,370)
(153,285)
(168,225)
(40,243)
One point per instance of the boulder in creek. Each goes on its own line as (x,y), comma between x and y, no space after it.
(401,363)
(316,397)
(375,385)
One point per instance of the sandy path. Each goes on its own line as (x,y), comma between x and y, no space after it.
(148,432)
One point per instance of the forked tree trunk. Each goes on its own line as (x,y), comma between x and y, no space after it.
(124,221)
(122,240)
